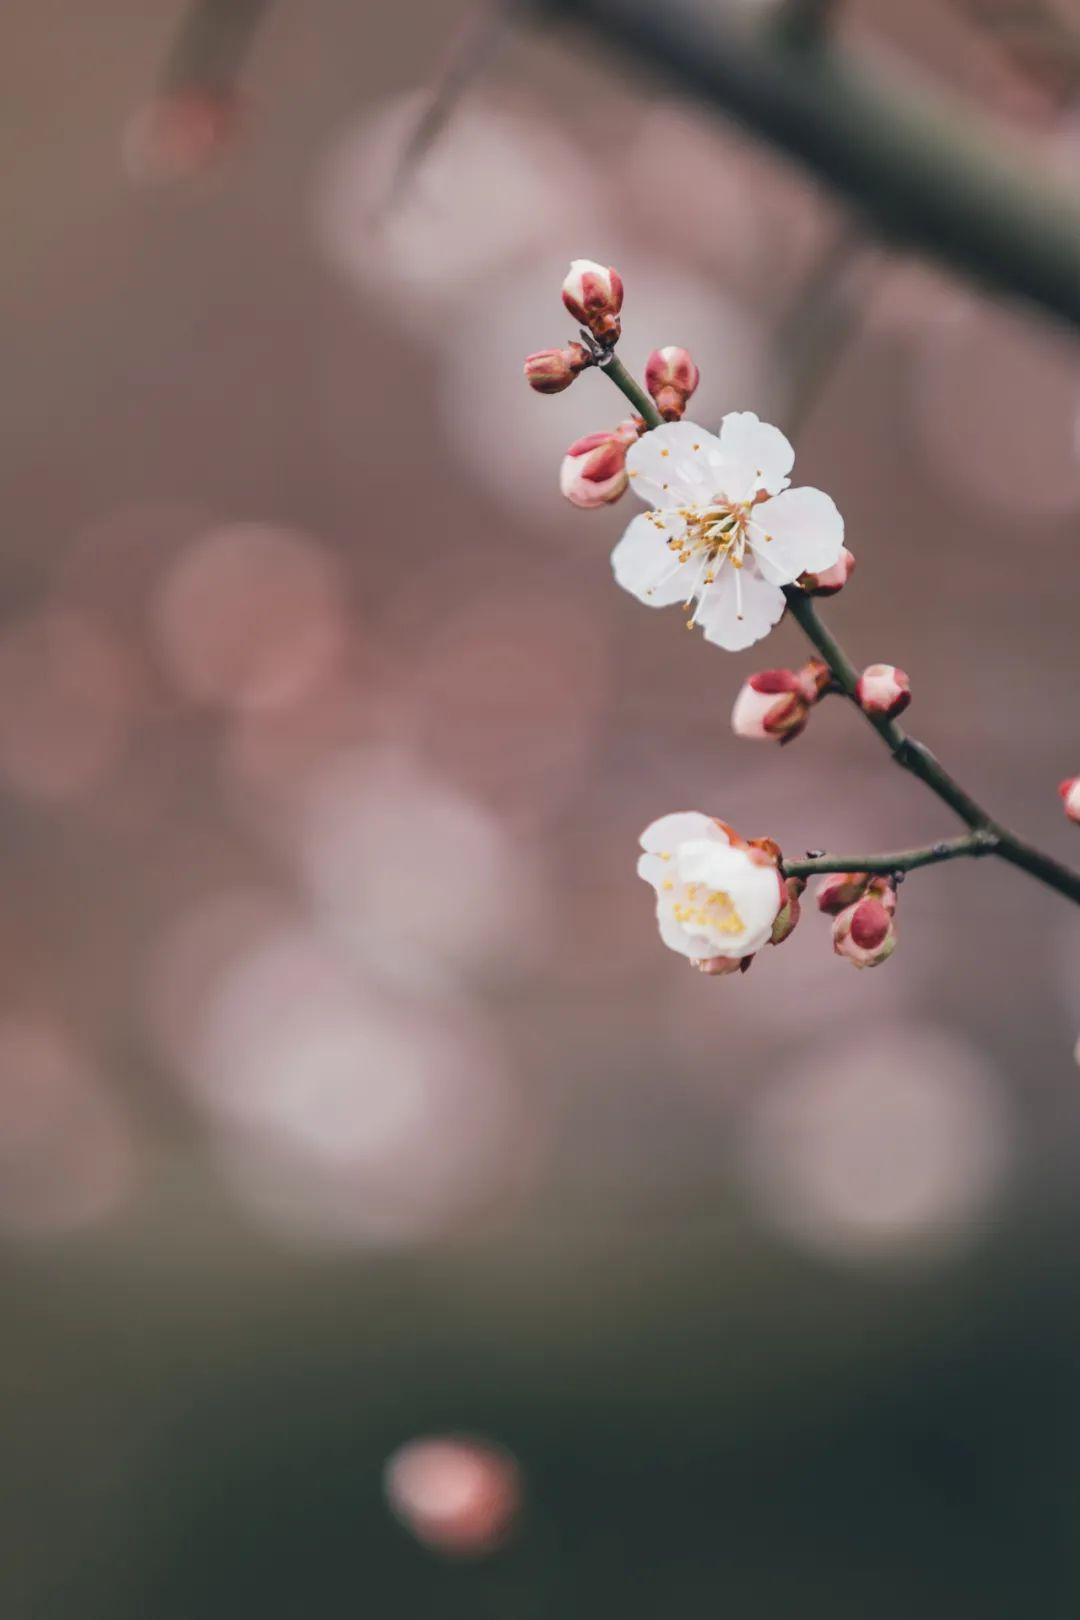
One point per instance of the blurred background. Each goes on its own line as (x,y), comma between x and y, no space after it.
(347,1096)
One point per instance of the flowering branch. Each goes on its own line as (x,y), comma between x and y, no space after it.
(987,836)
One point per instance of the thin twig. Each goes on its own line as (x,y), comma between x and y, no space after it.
(896,860)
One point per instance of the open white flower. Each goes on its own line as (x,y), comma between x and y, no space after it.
(716,896)
(725,531)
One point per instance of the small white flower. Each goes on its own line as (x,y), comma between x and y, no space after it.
(715,896)
(725,529)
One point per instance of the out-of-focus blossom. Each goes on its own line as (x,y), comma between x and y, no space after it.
(1070,797)
(716,895)
(458,1495)
(865,932)
(499,189)
(340,1113)
(593,471)
(66,1151)
(594,295)
(883,690)
(180,134)
(774,705)
(725,529)
(893,1140)
(829,580)
(251,616)
(671,377)
(67,694)
(549,371)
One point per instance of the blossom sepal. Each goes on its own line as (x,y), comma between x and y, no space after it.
(790,912)
(828,581)
(593,294)
(883,690)
(1070,797)
(671,377)
(865,933)
(593,471)
(549,371)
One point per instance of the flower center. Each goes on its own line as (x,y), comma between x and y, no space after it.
(714,534)
(707,911)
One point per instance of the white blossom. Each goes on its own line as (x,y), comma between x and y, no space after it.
(715,895)
(725,531)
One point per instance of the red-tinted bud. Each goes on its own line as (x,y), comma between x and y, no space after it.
(594,296)
(774,705)
(865,933)
(180,134)
(829,580)
(882,689)
(838,890)
(457,1495)
(1070,797)
(549,371)
(671,377)
(717,966)
(593,471)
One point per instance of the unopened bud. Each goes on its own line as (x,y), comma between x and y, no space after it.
(457,1495)
(830,580)
(593,471)
(838,890)
(1070,797)
(865,933)
(882,689)
(549,371)
(180,134)
(790,911)
(774,705)
(671,377)
(594,296)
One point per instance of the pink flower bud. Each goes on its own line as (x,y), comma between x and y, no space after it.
(790,911)
(883,689)
(593,471)
(719,965)
(830,580)
(457,1495)
(180,134)
(838,890)
(671,377)
(594,297)
(549,371)
(1070,797)
(774,705)
(865,932)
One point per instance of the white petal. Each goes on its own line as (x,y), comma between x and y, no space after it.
(755,456)
(761,606)
(642,559)
(796,531)
(676,938)
(664,836)
(670,466)
(752,889)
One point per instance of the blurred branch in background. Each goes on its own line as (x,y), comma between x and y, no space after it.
(916,168)
(822,319)
(211,43)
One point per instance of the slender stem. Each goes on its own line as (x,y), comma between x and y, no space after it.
(613,367)
(896,860)
(986,836)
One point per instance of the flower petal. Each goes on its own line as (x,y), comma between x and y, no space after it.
(646,567)
(755,456)
(671,465)
(664,836)
(676,937)
(733,625)
(799,530)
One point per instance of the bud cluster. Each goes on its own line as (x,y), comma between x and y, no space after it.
(862,907)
